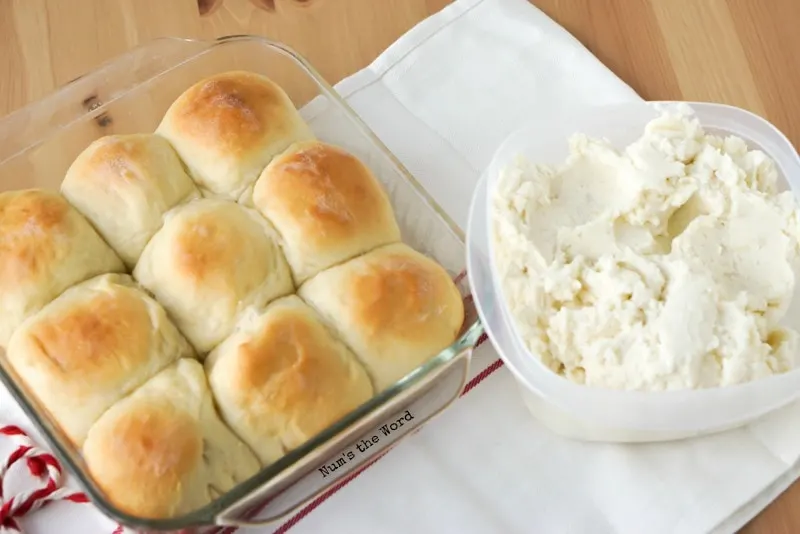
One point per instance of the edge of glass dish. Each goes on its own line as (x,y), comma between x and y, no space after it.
(182,50)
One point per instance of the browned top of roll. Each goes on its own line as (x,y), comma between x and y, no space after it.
(327,205)
(162,445)
(31,225)
(230,111)
(110,326)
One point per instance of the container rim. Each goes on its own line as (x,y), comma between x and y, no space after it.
(560,391)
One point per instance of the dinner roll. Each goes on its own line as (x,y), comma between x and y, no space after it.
(226,129)
(90,347)
(394,307)
(210,261)
(45,247)
(124,184)
(327,206)
(282,377)
(163,451)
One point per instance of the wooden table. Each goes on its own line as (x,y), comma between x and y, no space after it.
(740,52)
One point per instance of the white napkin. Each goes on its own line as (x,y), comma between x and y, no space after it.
(442,98)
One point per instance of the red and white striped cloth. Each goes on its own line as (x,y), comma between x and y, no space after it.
(41,465)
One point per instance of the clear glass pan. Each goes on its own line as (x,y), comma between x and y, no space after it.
(130,94)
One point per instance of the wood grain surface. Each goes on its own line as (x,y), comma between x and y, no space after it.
(740,52)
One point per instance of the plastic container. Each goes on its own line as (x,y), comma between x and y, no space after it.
(129,95)
(596,414)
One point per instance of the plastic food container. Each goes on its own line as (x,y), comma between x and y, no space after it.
(608,415)
(129,95)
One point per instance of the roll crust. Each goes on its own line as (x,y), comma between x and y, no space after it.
(210,261)
(123,184)
(327,206)
(91,347)
(282,377)
(394,307)
(46,246)
(163,451)
(228,127)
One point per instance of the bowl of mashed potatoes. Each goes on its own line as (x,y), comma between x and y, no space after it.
(636,268)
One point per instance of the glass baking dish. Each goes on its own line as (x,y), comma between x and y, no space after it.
(130,94)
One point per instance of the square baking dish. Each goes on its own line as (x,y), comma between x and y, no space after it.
(130,95)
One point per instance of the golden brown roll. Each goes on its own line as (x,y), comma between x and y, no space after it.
(45,247)
(226,129)
(282,377)
(211,260)
(327,206)
(163,451)
(90,347)
(124,184)
(394,307)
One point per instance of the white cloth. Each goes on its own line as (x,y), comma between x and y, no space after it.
(442,98)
